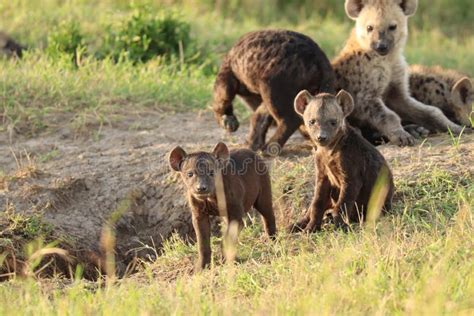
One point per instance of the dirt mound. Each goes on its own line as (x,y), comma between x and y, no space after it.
(121,177)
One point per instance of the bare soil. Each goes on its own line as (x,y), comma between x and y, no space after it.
(81,182)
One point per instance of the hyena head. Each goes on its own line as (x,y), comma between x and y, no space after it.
(198,170)
(462,97)
(324,115)
(381,25)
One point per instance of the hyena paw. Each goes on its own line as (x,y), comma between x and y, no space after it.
(417,131)
(457,130)
(297,227)
(312,227)
(230,123)
(402,138)
(255,143)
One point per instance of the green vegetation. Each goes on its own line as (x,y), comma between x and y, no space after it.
(144,36)
(149,55)
(91,63)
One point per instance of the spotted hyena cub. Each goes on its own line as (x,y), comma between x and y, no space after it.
(373,69)
(347,166)
(223,184)
(448,90)
(267,69)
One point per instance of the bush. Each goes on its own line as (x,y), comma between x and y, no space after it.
(66,38)
(144,36)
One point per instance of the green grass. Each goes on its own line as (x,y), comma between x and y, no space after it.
(417,260)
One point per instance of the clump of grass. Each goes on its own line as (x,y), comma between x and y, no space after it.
(66,38)
(145,35)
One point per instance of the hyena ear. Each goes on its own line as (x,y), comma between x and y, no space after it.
(345,101)
(221,152)
(176,158)
(409,6)
(461,92)
(353,8)
(302,100)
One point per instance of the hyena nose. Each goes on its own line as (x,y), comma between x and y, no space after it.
(322,138)
(201,188)
(381,47)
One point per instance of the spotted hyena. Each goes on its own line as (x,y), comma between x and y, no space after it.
(347,165)
(448,90)
(226,184)
(267,69)
(373,69)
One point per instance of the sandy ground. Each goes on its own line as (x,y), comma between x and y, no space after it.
(79,182)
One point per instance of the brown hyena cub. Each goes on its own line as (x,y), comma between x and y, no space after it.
(448,90)
(347,166)
(373,69)
(223,184)
(267,69)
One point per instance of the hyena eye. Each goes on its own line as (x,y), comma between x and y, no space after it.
(370,28)
(333,123)
(392,27)
(211,173)
(312,122)
(190,174)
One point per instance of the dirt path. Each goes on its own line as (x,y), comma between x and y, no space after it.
(79,182)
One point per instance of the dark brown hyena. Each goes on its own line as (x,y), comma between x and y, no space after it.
(9,47)
(373,69)
(450,91)
(267,69)
(347,165)
(223,184)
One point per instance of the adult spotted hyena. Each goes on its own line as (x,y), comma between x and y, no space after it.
(267,69)
(373,69)
(450,91)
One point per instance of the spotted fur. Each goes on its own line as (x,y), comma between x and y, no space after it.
(373,69)
(448,90)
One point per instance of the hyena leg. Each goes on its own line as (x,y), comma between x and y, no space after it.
(252,100)
(301,223)
(285,128)
(234,224)
(346,210)
(264,206)
(321,199)
(374,112)
(279,101)
(414,111)
(225,88)
(202,227)
(260,122)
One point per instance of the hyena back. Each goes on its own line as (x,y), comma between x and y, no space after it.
(267,69)
(450,91)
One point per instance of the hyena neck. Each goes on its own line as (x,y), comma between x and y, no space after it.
(207,205)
